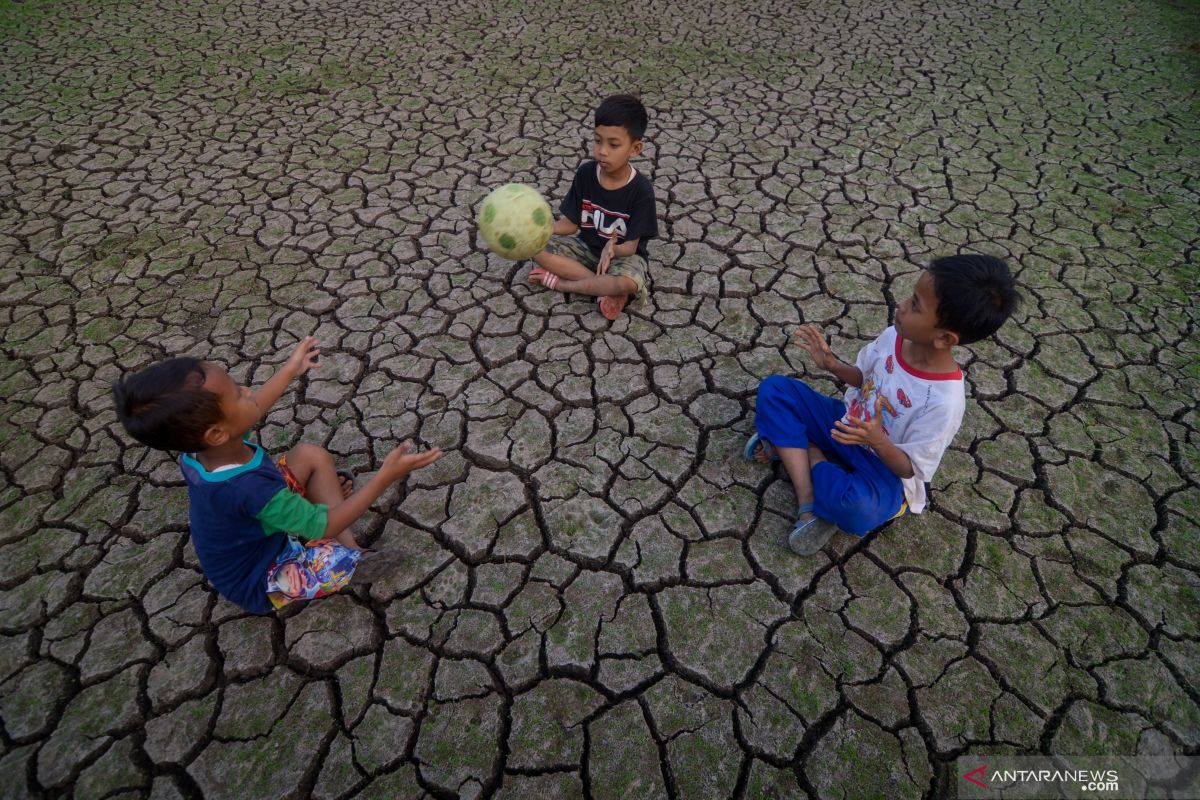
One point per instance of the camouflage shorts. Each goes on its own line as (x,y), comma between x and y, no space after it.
(633,267)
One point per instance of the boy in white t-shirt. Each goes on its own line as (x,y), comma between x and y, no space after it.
(904,404)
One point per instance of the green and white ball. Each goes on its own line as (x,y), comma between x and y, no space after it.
(515,221)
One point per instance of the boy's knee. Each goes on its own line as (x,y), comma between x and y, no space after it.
(632,271)
(773,386)
(312,454)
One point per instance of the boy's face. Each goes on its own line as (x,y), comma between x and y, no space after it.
(239,408)
(612,146)
(917,317)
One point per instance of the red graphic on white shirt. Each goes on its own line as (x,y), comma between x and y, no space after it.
(889,365)
(904,401)
(607,223)
(862,407)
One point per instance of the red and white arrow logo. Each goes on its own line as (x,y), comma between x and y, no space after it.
(977,771)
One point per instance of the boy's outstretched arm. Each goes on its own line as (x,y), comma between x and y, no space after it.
(808,337)
(870,432)
(564,227)
(302,359)
(396,467)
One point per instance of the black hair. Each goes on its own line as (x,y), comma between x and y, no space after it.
(975,295)
(165,405)
(625,111)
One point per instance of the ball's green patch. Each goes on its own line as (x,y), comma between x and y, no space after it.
(489,214)
(507,241)
(539,217)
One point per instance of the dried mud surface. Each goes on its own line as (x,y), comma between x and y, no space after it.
(597,599)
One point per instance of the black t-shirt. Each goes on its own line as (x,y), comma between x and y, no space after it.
(628,211)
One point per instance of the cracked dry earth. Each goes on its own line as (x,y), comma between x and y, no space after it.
(597,599)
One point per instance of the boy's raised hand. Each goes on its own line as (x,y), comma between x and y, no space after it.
(808,337)
(304,357)
(401,461)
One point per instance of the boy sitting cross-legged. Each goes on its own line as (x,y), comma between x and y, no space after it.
(904,404)
(611,206)
(266,532)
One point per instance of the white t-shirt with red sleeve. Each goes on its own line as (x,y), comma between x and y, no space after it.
(921,410)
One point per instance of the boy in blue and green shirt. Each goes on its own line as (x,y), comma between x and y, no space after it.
(267,532)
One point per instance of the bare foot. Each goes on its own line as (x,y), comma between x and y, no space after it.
(346,481)
(611,305)
(543,277)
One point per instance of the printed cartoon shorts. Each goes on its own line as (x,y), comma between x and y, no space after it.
(633,267)
(293,483)
(305,571)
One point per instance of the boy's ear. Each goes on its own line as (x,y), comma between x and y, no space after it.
(216,435)
(637,147)
(946,339)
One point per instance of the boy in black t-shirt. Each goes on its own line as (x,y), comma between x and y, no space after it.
(611,206)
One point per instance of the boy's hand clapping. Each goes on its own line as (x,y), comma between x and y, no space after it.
(808,337)
(401,461)
(304,357)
